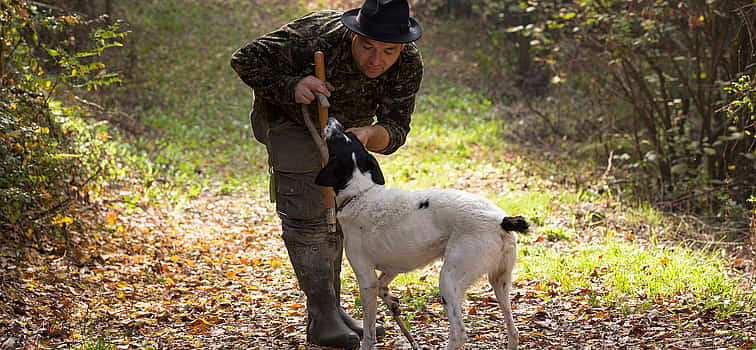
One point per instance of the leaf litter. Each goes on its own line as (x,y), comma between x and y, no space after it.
(215,275)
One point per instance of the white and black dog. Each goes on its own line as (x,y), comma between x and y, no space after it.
(397,231)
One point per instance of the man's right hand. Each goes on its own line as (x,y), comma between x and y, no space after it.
(306,88)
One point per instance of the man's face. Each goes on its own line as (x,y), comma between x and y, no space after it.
(374,57)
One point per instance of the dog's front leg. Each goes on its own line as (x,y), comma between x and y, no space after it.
(369,296)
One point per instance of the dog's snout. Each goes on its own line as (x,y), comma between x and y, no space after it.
(333,128)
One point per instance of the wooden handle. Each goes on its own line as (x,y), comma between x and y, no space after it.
(320,72)
(320,65)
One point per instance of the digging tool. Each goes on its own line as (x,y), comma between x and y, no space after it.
(328,194)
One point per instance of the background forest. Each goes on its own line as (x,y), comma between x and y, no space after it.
(133,199)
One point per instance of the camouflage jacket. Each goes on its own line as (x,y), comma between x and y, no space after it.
(274,63)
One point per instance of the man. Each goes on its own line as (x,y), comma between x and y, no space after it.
(373,71)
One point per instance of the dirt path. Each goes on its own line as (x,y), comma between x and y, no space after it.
(216,276)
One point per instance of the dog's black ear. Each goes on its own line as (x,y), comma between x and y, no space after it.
(375,171)
(327,176)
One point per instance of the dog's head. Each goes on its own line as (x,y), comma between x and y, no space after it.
(348,160)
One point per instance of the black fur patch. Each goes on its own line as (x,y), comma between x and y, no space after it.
(424,204)
(515,223)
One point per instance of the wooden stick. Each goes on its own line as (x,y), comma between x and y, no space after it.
(328,194)
(315,134)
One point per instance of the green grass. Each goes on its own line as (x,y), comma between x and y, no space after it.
(195,103)
(453,134)
(632,277)
(99,344)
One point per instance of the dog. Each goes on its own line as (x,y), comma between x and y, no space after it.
(396,231)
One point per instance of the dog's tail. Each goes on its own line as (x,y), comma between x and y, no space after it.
(515,223)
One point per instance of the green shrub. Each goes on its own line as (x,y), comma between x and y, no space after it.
(49,157)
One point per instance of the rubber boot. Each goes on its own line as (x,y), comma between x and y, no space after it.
(312,258)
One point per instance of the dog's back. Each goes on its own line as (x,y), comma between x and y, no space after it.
(402,230)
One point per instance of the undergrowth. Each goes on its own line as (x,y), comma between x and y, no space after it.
(51,157)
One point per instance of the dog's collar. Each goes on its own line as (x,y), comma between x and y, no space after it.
(346,202)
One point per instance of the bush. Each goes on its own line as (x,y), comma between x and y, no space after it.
(48,156)
(662,87)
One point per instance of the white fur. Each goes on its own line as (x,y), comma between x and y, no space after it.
(385,229)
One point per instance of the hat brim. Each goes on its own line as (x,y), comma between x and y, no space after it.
(349,18)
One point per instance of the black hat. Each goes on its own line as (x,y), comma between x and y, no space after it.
(383,20)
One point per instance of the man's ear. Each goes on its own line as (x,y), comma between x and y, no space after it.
(327,176)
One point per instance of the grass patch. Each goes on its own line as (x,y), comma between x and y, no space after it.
(449,133)
(632,277)
(193,101)
(99,344)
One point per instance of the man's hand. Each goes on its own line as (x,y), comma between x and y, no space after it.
(306,88)
(374,137)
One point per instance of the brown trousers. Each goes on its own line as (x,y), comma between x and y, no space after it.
(295,162)
(314,252)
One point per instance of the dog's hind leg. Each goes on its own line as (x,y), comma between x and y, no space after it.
(383,291)
(501,281)
(458,272)
(452,293)
(464,263)
(393,304)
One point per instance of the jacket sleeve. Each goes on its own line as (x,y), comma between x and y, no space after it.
(395,112)
(271,65)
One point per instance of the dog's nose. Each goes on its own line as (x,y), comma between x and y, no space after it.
(333,127)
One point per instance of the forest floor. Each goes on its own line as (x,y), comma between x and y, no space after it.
(216,276)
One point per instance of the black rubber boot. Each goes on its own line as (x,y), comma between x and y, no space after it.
(356,325)
(312,258)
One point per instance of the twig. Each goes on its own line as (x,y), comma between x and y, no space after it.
(406,332)
(52,7)
(118,200)
(716,242)
(2,53)
(543,117)
(609,165)
(89,103)
(684,198)
(68,199)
